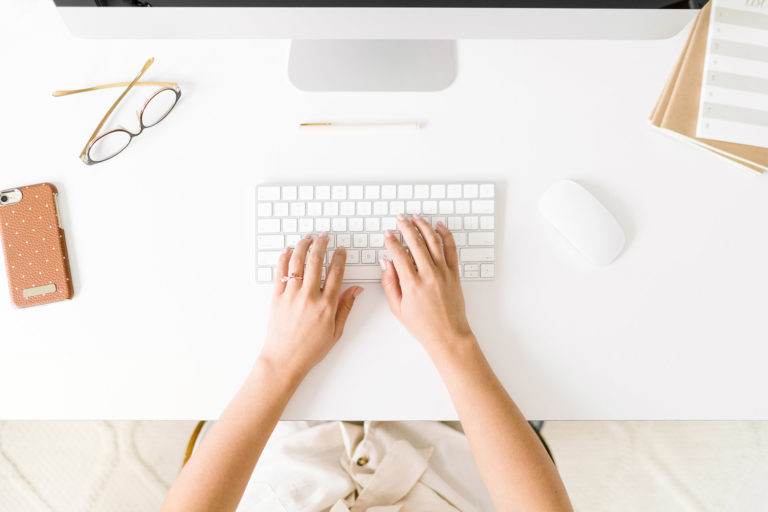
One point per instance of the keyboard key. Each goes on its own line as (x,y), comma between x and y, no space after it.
(421,191)
(372,191)
(487,270)
(405,191)
(268,193)
(323,192)
(462,207)
(412,207)
(364,208)
(435,220)
(306,192)
(330,208)
(437,192)
(264,274)
(362,273)
(396,207)
(338,192)
(264,210)
(356,224)
(454,223)
(353,256)
(339,224)
(445,207)
(269,225)
(290,225)
(475,254)
(429,207)
(268,258)
(368,256)
(280,209)
(470,274)
(453,191)
(372,224)
(323,224)
(471,223)
(292,240)
(298,209)
(331,241)
(388,191)
(384,255)
(270,242)
(486,190)
(380,208)
(482,206)
(289,193)
(486,223)
(360,240)
(314,209)
(306,225)
(344,240)
(356,192)
(377,240)
(470,191)
(347,208)
(481,238)
(388,223)
(460,239)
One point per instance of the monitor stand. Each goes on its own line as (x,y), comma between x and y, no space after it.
(372,65)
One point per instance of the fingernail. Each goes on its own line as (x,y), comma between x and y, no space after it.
(400,216)
(341,248)
(383,264)
(357,292)
(323,235)
(286,250)
(307,237)
(388,233)
(440,224)
(416,216)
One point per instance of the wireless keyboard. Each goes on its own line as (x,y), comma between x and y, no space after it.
(355,217)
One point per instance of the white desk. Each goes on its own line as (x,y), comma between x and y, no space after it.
(167,319)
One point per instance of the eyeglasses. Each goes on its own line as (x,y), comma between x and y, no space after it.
(108,145)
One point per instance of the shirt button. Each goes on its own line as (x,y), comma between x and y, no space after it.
(362,461)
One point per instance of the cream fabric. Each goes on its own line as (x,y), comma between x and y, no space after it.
(369,467)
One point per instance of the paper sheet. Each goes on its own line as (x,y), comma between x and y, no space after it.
(734,99)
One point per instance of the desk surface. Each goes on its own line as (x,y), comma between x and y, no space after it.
(167,318)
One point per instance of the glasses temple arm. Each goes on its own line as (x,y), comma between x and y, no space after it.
(107,86)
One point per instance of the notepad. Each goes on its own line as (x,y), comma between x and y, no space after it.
(734,99)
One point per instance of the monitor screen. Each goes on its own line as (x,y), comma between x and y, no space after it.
(566,4)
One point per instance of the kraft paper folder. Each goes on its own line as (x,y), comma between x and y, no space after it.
(677,110)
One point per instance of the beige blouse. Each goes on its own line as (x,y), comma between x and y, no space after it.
(418,466)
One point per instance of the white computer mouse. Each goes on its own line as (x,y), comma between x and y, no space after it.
(583,221)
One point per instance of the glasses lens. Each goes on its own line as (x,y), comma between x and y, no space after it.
(108,145)
(158,107)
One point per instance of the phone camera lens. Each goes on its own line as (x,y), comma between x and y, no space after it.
(4,199)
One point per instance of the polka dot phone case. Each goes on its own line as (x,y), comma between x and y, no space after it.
(34,246)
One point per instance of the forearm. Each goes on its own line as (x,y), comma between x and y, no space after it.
(218,472)
(514,465)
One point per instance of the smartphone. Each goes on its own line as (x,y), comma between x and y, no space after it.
(34,245)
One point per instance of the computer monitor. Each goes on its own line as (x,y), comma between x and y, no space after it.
(377,45)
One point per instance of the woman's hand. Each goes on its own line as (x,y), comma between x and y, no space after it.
(424,293)
(306,319)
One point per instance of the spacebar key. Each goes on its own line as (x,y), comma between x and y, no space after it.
(362,273)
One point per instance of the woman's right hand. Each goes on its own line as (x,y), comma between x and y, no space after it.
(424,293)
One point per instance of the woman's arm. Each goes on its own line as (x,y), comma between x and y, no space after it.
(305,323)
(427,299)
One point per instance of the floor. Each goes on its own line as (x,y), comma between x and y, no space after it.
(607,466)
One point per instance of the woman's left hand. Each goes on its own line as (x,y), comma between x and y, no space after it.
(306,319)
